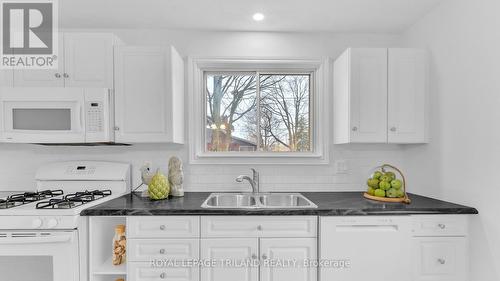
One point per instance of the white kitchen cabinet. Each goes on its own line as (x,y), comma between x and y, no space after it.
(6,78)
(236,250)
(360,96)
(301,250)
(43,77)
(439,259)
(145,272)
(163,227)
(149,95)
(366,248)
(85,60)
(407,99)
(88,60)
(380,96)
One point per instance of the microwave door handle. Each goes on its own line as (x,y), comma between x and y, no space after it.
(35,240)
(81,117)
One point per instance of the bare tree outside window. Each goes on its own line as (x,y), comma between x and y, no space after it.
(257,112)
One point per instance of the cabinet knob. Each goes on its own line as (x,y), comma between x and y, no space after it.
(354,129)
(441,261)
(162,227)
(259,227)
(57,75)
(442,226)
(264,257)
(117,128)
(66,75)
(254,256)
(162,251)
(393,129)
(162,276)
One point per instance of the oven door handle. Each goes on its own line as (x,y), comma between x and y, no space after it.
(36,240)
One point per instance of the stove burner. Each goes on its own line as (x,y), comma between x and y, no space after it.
(27,197)
(74,199)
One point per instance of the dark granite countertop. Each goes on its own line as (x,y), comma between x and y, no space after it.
(329,204)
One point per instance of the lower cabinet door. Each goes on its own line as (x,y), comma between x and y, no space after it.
(234,259)
(440,259)
(145,271)
(288,259)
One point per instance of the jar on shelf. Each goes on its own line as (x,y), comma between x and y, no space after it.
(119,245)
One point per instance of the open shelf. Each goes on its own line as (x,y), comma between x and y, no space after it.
(101,233)
(107,268)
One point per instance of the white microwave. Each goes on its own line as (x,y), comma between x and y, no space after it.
(56,115)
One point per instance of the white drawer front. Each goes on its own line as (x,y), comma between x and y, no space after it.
(440,225)
(163,227)
(440,259)
(255,226)
(140,271)
(173,249)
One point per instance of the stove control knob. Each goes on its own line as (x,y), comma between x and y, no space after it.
(36,223)
(52,223)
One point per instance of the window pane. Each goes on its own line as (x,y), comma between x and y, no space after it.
(284,113)
(231,122)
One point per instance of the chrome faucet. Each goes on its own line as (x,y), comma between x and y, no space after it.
(254,181)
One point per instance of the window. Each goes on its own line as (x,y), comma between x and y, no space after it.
(258,111)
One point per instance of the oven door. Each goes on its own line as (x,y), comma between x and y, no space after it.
(43,115)
(39,256)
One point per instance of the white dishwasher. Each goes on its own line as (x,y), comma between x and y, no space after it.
(356,248)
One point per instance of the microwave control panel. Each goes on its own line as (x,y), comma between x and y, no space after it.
(95,116)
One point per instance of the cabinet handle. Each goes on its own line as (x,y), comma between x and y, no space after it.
(264,257)
(162,251)
(162,227)
(442,261)
(259,227)
(57,75)
(66,75)
(162,276)
(442,226)
(393,129)
(354,129)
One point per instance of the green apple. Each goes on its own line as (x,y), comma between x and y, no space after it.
(384,185)
(379,193)
(377,175)
(396,184)
(385,178)
(371,191)
(372,183)
(400,193)
(391,175)
(392,193)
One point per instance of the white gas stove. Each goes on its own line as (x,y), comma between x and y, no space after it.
(64,189)
(43,230)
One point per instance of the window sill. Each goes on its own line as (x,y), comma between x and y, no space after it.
(259,158)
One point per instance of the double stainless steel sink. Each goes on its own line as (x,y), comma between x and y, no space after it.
(258,201)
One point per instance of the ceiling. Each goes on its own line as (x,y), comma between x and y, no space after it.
(236,15)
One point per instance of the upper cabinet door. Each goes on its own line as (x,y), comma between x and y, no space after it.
(407,99)
(88,60)
(43,77)
(300,250)
(6,78)
(149,95)
(368,95)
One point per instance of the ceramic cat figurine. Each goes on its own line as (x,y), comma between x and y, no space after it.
(175,176)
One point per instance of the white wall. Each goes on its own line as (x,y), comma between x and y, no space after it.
(19,162)
(461,163)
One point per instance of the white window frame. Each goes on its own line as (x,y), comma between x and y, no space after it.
(320,117)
